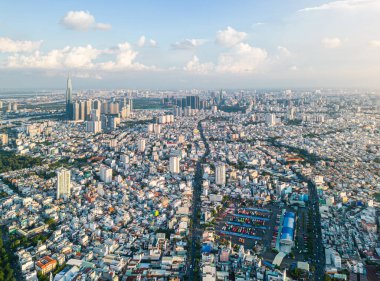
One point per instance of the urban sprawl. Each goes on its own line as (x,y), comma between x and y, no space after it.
(190,185)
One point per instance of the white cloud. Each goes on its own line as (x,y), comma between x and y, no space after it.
(141,41)
(374,43)
(79,58)
(68,57)
(344,5)
(153,43)
(8,45)
(230,37)
(194,65)
(188,44)
(284,51)
(242,58)
(125,59)
(257,24)
(82,21)
(331,43)
(102,26)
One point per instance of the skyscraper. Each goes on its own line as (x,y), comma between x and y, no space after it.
(106,174)
(174,164)
(220,174)
(63,183)
(75,111)
(69,91)
(270,119)
(130,105)
(141,145)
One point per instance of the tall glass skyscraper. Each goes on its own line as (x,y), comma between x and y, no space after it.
(69,91)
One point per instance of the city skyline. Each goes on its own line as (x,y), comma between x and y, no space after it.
(248,44)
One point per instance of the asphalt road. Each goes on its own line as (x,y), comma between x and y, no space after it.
(195,231)
(318,251)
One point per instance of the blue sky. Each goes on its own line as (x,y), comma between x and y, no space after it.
(190,44)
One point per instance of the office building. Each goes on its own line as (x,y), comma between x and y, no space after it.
(104,107)
(3,139)
(270,119)
(63,183)
(141,145)
(291,113)
(157,128)
(93,126)
(193,102)
(174,164)
(75,111)
(82,110)
(95,115)
(114,108)
(220,174)
(69,90)
(88,108)
(131,105)
(105,174)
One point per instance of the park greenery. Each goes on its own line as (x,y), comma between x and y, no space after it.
(10,161)
(6,271)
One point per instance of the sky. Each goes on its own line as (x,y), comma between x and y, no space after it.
(167,44)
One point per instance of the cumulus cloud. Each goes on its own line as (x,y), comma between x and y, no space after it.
(230,37)
(331,43)
(241,58)
(82,21)
(141,41)
(374,43)
(194,65)
(125,59)
(344,5)
(79,58)
(188,44)
(8,45)
(144,42)
(68,57)
(284,51)
(153,43)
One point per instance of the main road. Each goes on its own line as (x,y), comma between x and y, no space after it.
(195,230)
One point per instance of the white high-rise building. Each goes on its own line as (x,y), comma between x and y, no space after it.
(141,145)
(93,126)
(291,113)
(174,164)
(157,128)
(220,174)
(75,111)
(63,183)
(95,115)
(270,119)
(106,174)
(4,139)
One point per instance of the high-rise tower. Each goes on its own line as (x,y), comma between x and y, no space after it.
(69,91)
(63,183)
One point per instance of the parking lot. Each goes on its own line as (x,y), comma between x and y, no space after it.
(256,228)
